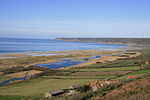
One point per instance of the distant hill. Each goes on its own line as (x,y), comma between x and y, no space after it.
(129,41)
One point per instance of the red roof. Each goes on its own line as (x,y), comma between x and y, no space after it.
(98,83)
(133,76)
(103,82)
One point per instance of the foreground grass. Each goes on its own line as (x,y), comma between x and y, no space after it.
(11,97)
(36,87)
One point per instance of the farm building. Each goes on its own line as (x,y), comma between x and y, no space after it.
(74,87)
(55,93)
(97,84)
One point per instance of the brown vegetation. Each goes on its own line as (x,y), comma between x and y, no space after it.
(136,90)
(23,73)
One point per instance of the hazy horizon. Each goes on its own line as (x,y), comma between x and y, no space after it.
(65,37)
(49,19)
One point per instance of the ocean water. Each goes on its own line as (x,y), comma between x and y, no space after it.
(16,45)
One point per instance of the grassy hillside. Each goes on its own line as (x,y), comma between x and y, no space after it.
(132,41)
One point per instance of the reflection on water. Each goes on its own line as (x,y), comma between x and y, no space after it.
(66,63)
(13,79)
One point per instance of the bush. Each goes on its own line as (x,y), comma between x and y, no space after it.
(83,96)
(84,88)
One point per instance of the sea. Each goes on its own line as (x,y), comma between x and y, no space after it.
(20,45)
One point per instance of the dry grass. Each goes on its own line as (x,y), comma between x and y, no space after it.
(136,90)
(23,73)
(30,60)
(105,59)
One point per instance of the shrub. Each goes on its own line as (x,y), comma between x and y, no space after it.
(84,88)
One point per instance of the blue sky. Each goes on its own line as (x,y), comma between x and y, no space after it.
(74,18)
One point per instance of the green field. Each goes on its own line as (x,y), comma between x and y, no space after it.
(107,69)
(11,97)
(122,63)
(81,77)
(36,87)
(137,73)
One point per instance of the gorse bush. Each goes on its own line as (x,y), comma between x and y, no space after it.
(84,88)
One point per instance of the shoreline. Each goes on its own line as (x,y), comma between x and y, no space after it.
(32,60)
(56,56)
(109,41)
(129,45)
(94,41)
(15,54)
(52,53)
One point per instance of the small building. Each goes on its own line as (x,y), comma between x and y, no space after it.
(55,93)
(124,55)
(74,87)
(95,85)
(103,83)
(99,62)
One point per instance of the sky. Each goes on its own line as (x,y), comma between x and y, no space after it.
(74,18)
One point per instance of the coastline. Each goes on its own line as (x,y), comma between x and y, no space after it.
(33,58)
(28,54)
(76,40)
(27,60)
(130,45)
(108,56)
(134,45)
(77,47)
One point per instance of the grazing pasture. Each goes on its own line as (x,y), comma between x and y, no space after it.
(37,87)
(107,69)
